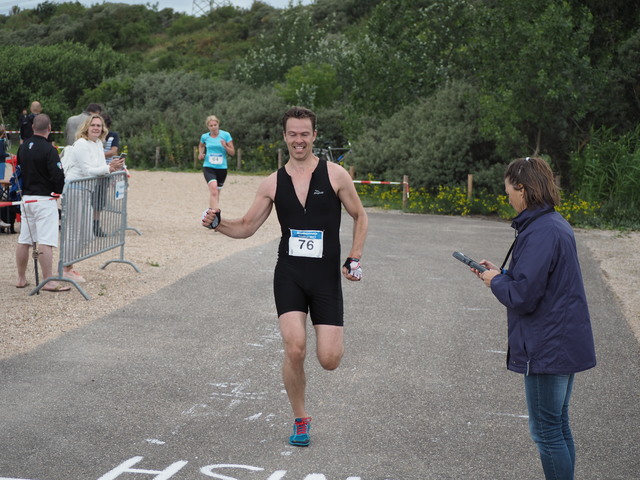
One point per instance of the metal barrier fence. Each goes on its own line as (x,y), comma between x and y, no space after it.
(94,221)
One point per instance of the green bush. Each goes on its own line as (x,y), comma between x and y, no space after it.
(436,142)
(607,171)
(54,75)
(167,110)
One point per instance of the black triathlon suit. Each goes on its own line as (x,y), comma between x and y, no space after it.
(302,283)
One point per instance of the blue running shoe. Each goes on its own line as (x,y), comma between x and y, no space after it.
(300,437)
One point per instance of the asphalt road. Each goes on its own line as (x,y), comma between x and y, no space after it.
(185,384)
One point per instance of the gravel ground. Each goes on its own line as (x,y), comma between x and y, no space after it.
(166,208)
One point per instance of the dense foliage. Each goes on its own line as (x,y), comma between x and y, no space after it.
(433,89)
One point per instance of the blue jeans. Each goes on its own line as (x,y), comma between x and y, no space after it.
(548,403)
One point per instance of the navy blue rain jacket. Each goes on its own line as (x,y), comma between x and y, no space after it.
(549,325)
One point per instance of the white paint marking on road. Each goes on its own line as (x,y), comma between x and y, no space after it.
(125,467)
(277,475)
(208,470)
(155,441)
(7,478)
(229,394)
(514,415)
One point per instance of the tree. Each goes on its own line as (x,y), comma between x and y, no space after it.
(409,49)
(311,85)
(531,61)
(435,141)
(55,75)
(168,110)
(292,40)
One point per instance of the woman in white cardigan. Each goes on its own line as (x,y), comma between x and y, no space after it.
(85,159)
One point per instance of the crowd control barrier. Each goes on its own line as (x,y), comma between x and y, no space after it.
(94,221)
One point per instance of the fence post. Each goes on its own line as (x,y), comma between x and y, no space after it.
(405,191)
(239,164)
(352,172)
(279,157)
(469,187)
(157,156)
(195,157)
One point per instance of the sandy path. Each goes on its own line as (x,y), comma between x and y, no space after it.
(166,208)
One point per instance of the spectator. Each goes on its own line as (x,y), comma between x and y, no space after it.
(22,116)
(111,144)
(26,124)
(74,123)
(549,328)
(112,141)
(85,159)
(3,156)
(41,175)
(3,150)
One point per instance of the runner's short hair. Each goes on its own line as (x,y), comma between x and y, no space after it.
(298,112)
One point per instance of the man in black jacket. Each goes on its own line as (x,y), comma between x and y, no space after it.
(26,124)
(42,175)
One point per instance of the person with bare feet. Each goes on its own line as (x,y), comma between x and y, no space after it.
(308,194)
(42,176)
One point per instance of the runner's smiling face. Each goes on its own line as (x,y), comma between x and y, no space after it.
(299,137)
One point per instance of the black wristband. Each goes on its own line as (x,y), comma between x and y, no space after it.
(347,263)
(215,222)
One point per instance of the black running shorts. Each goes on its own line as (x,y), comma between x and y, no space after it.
(217,174)
(309,290)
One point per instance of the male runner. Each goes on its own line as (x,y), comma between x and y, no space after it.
(308,194)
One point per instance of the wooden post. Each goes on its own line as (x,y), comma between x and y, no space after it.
(352,172)
(469,187)
(157,156)
(239,159)
(279,157)
(405,191)
(195,157)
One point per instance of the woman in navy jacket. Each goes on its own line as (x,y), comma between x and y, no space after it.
(550,337)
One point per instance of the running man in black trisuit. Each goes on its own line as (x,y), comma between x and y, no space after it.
(308,194)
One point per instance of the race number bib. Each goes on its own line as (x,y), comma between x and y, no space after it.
(306,243)
(216,159)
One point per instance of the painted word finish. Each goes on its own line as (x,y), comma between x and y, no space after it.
(208,471)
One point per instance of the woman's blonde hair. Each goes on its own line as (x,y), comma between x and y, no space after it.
(211,117)
(83,131)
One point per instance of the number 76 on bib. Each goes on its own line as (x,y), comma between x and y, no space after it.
(306,243)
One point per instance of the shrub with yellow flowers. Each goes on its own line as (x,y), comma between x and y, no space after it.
(454,201)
